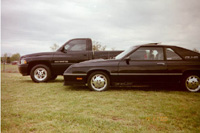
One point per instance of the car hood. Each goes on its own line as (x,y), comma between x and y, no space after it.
(38,54)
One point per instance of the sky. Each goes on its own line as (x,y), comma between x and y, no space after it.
(34,26)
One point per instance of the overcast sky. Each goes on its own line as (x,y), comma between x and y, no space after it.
(33,26)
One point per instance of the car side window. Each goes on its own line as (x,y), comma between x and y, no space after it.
(76,45)
(171,55)
(148,53)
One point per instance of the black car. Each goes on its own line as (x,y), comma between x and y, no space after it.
(140,65)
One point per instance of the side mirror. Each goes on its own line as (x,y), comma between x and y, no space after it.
(61,49)
(64,50)
(127,60)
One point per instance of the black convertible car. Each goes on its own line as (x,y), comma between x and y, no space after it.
(139,65)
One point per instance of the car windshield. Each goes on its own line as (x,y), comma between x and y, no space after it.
(123,54)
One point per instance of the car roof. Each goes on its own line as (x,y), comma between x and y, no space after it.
(156,45)
(182,51)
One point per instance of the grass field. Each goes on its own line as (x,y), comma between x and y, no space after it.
(9,68)
(52,107)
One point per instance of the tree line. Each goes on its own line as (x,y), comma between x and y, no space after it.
(8,59)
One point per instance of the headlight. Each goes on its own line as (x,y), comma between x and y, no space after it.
(23,61)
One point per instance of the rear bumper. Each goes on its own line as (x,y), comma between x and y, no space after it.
(75,79)
(23,69)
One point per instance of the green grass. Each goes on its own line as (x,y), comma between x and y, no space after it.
(52,107)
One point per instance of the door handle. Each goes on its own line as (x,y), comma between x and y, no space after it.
(160,63)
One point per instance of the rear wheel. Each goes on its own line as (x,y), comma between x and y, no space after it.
(40,73)
(98,81)
(191,82)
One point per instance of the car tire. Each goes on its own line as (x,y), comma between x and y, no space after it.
(40,73)
(191,82)
(98,81)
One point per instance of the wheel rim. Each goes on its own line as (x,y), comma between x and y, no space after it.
(40,74)
(192,83)
(98,82)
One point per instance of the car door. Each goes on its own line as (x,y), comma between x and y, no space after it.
(175,64)
(74,52)
(144,65)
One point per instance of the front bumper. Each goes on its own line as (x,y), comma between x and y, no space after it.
(75,79)
(23,69)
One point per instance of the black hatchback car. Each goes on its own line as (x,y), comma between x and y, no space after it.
(139,65)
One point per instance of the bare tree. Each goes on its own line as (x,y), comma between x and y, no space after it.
(5,56)
(54,47)
(113,49)
(97,46)
(195,50)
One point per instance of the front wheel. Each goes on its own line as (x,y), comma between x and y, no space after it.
(40,73)
(98,81)
(191,82)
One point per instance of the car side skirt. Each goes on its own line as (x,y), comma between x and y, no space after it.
(146,74)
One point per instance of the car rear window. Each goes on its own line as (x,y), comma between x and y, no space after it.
(171,55)
(187,54)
